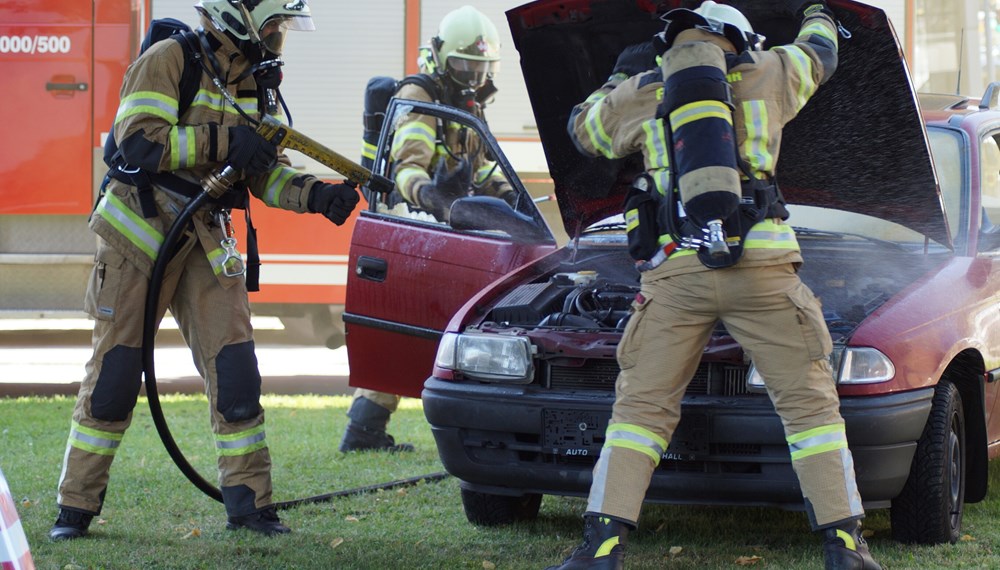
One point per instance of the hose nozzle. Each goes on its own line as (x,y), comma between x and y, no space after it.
(219,181)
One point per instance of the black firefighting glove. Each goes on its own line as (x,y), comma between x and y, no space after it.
(446,187)
(335,201)
(250,152)
(635,59)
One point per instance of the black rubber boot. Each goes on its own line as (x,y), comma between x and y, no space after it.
(70,525)
(845,549)
(603,546)
(264,521)
(366,430)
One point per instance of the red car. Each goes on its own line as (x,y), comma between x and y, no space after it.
(510,341)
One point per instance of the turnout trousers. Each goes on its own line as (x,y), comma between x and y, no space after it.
(779,323)
(215,323)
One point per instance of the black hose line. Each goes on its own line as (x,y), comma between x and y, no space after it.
(149,327)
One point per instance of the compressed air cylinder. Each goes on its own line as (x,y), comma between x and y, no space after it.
(697,107)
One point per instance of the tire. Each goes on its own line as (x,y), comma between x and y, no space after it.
(485,509)
(929,509)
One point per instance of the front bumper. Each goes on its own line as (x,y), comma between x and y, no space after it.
(726,451)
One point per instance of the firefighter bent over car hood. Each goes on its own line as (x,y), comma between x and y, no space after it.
(714,73)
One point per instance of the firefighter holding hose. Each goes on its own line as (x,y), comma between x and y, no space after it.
(166,144)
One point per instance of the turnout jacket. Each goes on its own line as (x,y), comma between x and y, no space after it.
(152,135)
(416,151)
(769,89)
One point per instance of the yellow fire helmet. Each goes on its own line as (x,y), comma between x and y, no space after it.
(467,47)
(263,22)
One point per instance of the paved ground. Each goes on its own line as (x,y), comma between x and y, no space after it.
(47,357)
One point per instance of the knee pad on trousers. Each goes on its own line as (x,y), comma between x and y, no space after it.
(118,384)
(238,381)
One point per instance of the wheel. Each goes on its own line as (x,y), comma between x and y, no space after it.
(486,509)
(929,509)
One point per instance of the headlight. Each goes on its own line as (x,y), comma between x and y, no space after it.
(850,366)
(863,366)
(490,358)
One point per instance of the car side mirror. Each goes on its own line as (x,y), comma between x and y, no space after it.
(491,213)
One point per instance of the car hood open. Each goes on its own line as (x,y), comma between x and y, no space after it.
(858,145)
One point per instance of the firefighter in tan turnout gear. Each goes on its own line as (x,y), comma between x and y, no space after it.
(164,150)
(436,164)
(687,287)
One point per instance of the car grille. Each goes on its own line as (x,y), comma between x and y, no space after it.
(712,379)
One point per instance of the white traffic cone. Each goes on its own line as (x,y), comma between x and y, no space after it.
(14,551)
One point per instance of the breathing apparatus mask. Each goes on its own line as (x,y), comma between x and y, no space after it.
(258,28)
(466,51)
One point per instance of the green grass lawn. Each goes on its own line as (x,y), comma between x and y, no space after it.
(154,518)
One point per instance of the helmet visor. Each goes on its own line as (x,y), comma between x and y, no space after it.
(471,73)
(273,32)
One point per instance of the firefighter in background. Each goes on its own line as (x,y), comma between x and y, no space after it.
(760,298)
(436,164)
(204,286)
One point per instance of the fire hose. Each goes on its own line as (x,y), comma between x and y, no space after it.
(214,186)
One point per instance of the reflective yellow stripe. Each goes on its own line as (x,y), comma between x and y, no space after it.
(182,147)
(698,110)
(240,443)
(368,151)
(803,65)
(130,224)
(817,440)
(217,258)
(216,102)
(415,131)
(276,184)
(636,438)
(818,29)
(94,440)
(656,145)
(405,175)
(606,546)
(631,220)
(599,138)
(150,103)
(755,147)
(848,539)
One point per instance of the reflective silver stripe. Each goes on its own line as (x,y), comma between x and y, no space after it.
(94,440)
(129,224)
(217,258)
(598,486)
(182,147)
(148,102)
(636,438)
(599,138)
(241,443)
(755,147)
(414,132)
(217,102)
(276,184)
(853,495)
(656,144)
(803,66)
(817,440)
